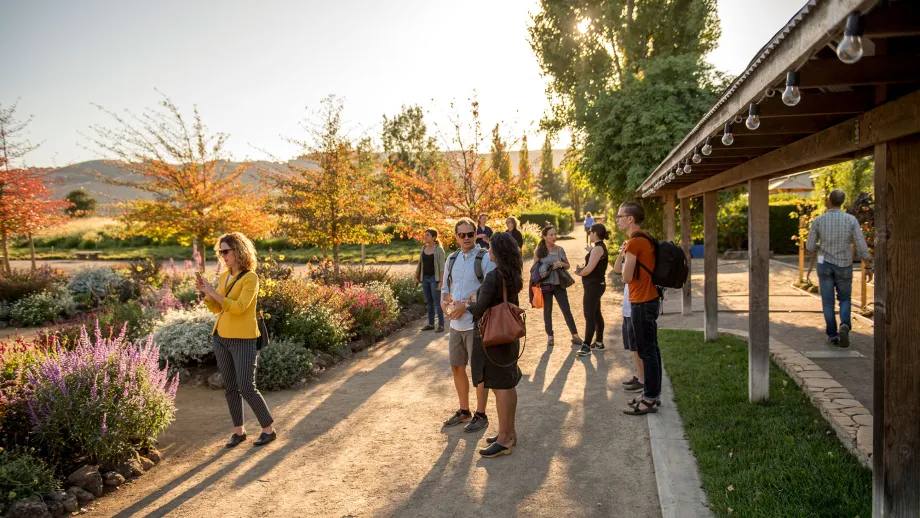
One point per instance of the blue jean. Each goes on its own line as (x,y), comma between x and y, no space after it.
(432,298)
(833,278)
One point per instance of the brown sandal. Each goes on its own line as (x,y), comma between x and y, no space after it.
(650,407)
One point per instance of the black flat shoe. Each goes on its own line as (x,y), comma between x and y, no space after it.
(236,440)
(264,439)
(495,450)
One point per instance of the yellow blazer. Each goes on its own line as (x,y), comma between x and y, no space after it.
(237,315)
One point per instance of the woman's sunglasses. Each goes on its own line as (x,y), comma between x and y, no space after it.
(466,234)
(225,251)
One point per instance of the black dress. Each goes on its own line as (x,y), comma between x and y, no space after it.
(481,369)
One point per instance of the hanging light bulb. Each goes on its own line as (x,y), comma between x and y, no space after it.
(850,49)
(696,156)
(792,95)
(687,167)
(707,148)
(753,120)
(727,137)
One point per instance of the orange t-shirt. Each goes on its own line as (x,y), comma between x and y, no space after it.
(641,288)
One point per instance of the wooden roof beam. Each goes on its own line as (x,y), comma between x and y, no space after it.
(870,70)
(889,121)
(816,103)
(784,126)
(897,19)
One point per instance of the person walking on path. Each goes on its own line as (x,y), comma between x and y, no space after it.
(236,333)
(497,368)
(831,235)
(645,303)
(594,278)
(512,224)
(553,266)
(589,222)
(429,273)
(463,275)
(483,232)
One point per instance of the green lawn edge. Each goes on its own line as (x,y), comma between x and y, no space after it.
(778,458)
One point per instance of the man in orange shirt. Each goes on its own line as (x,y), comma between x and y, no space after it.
(636,262)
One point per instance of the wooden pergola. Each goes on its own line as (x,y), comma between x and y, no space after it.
(870,107)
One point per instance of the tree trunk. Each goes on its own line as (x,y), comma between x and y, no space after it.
(202,251)
(32,250)
(335,259)
(6,252)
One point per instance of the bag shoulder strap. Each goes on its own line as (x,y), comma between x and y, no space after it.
(654,250)
(232,284)
(451,259)
(477,265)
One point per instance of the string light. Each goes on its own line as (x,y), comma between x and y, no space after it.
(792,95)
(687,167)
(707,148)
(850,49)
(753,120)
(696,156)
(727,137)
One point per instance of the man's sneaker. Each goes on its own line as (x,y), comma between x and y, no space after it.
(844,336)
(584,351)
(834,341)
(630,381)
(440,329)
(429,327)
(636,386)
(598,345)
(479,422)
(460,417)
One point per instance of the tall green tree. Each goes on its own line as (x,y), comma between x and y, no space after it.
(552,185)
(82,205)
(501,158)
(525,171)
(406,141)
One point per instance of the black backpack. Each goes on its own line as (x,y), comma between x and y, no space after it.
(671,269)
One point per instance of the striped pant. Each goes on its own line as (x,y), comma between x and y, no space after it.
(236,359)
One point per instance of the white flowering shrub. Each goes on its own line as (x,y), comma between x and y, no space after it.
(184,335)
(98,282)
(43,307)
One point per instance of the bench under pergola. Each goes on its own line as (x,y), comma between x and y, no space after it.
(846,110)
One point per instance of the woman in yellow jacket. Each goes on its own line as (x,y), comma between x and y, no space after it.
(236,332)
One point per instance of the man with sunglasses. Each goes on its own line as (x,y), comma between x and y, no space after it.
(463,274)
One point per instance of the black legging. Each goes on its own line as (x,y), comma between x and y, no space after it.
(594,320)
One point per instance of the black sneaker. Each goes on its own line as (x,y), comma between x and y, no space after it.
(440,329)
(844,336)
(598,345)
(834,341)
(584,351)
(630,381)
(479,422)
(429,327)
(460,416)
(638,386)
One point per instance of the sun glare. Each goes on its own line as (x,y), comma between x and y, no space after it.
(584,25)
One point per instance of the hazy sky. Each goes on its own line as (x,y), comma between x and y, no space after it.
(254,68)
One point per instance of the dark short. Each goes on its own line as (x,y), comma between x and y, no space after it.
(629,335)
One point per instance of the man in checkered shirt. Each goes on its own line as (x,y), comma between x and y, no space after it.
(831,235)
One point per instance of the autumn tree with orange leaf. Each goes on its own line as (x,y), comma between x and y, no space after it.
(196,193)
(466,185)
(334,194)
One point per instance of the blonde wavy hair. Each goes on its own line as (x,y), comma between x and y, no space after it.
(242,247)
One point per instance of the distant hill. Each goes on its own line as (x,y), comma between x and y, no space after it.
(85,175)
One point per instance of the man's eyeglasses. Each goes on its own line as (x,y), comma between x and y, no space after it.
(224,251)
(621,216)
(466,235)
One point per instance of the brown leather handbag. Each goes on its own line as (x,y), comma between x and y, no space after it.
(502,324)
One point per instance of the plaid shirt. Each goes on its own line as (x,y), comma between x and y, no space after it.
(836,230)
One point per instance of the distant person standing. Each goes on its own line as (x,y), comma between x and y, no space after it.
(483,232)
(428,273)
(512,224)
(589,222)
(831,235)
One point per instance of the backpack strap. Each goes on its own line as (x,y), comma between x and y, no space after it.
(451,259)
(477,265)
(654,250)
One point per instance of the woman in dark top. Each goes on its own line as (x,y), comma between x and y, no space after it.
(428,273)
(593,275)
(512,225)
(483,232)
(487,370)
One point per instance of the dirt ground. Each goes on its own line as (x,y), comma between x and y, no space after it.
(365,439)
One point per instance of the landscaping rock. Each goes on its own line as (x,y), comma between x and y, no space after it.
(357,346)
(216,381)
(146,463)
(56,509)
(154,455)
(184,374)
(113,479)
(131,468)
(345,353)
(88,478)
(323,360)
(68,501)
(32,507)
(83,496)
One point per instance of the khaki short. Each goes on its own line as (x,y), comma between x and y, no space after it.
(460,347)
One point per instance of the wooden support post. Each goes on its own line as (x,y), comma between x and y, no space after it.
(711,265)
(863,287)
(896,394)
(686,304)
(801,259)
(669,225)
(759,290)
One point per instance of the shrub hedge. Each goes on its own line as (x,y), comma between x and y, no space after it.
(546,210)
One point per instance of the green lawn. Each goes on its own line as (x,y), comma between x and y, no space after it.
(395,252)
(779,458)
